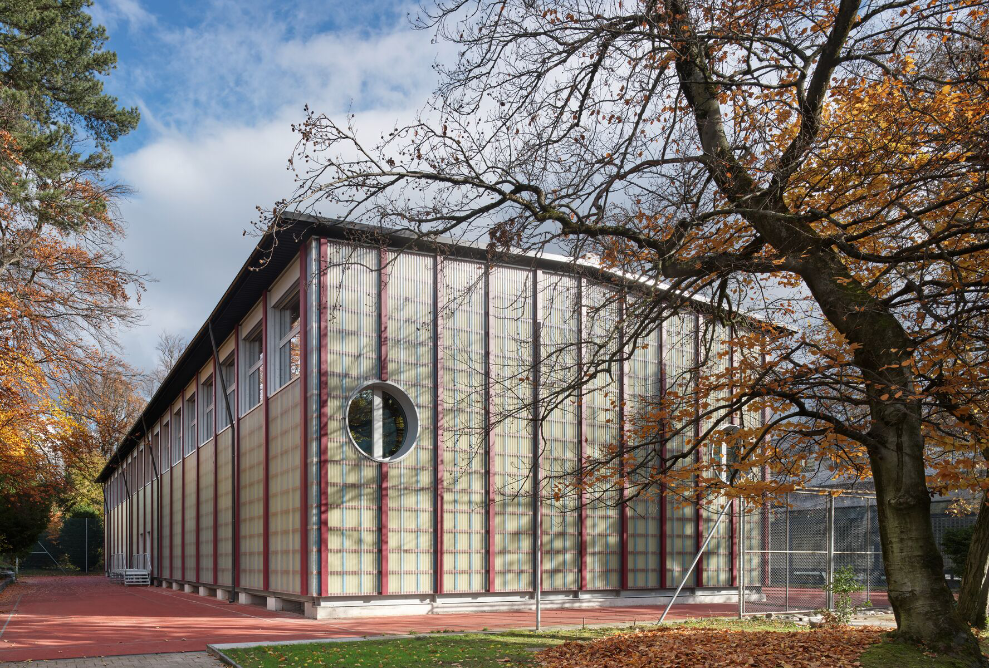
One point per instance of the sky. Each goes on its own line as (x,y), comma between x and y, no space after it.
(218,84)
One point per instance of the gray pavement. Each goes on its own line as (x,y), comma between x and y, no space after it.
(178,660)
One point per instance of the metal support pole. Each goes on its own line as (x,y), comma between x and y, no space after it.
(786,565)
(693,564)
(830,598)
(86,543)
(868,550)
(741,557)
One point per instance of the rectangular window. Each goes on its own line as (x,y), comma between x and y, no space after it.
(285,331)
(253,366)
(156,466)
(191,437)
(229,383)
(166,444)
(177,436)
(206,399)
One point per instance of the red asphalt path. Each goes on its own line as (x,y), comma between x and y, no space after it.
(77,616)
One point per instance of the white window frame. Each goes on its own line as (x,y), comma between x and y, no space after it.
(249,397)
(207,408)
(190,424)
(177,434)
(220,405)
(278,378)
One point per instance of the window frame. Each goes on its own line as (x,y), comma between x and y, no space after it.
(207,408)
(176,420)
(222,419)
(255,335)
(190,427)
(279,376)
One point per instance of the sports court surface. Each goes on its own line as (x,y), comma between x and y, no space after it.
(62,617)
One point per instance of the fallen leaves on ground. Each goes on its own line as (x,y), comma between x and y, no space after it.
(679,647)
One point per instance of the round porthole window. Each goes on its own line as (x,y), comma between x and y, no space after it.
(382,421)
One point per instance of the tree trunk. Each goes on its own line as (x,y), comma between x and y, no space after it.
(974,596)
(923,605)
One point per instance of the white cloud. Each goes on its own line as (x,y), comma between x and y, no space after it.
(198,180)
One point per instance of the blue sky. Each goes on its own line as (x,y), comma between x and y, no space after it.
(219,84)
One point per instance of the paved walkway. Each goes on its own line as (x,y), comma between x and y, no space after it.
(183,660)
(67,617)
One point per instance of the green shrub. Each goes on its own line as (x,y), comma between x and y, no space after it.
(843,585)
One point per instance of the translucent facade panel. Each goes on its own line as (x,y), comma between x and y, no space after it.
(284,488)
(175,552)
(511,417)
(411,366)
(312,280)
(642,382)
(559,452)
(206,464)
(224,496)
(681,519)
(252,499)
(465,456)
(717,557)
(165,535)
(353,502)
(189,489)
(602,435)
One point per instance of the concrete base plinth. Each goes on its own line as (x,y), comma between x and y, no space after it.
(176,586)
(190,589)
(275,603)
(223,594)
(206,591)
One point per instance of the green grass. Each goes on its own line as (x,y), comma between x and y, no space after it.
(887,654)
(472,650)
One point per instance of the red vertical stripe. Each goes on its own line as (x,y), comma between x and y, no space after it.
(324,418)
(199,464)
(182,468)
(235,474)
(265,580)
(438,362)
(733,527)
(698,521)
(383,332)
(303,428)
(216,468)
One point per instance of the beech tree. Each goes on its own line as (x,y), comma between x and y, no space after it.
(818,164)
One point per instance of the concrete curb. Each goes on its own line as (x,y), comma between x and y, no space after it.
(213,651)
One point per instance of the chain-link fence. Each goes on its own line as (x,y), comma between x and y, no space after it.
(793,547)
(75,545)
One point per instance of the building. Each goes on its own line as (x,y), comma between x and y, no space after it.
(375,461)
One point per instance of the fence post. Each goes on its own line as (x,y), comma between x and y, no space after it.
(786,553)
(740,537)
(85,546)
(868,549)
(830,533)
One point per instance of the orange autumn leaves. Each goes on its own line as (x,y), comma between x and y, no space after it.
(683,647)
(63,290)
